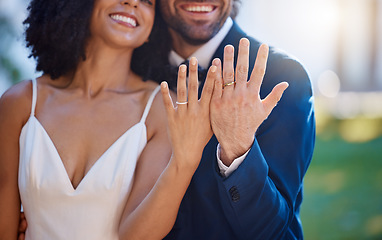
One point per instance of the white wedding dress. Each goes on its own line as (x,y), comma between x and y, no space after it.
(53,208)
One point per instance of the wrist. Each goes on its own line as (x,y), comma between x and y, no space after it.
(186,161)
(229,152)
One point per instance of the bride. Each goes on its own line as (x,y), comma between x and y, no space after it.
(85,147)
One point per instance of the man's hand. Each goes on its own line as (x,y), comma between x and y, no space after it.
(236,108)
(22,227)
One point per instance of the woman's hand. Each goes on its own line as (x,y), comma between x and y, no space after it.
(189,122)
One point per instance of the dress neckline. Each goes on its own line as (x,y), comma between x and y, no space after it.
(99,159)
(110,148)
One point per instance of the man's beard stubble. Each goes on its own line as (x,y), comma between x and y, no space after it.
(195,38)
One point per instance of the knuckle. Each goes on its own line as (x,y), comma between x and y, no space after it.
(193,69)
(227,102)
(216,104)
(208,89)
(228,75)
(182,92)
(248,105)
(260,70)
(193,114)
(240,99)
(242,69)
(193,85)
(168,104)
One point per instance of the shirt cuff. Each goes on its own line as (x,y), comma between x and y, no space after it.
(224,170)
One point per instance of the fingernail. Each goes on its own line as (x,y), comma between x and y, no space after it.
(163,84)
(183,68)
(193,61)
(216,62)
(244,42)
(265,46)
(213,69)
(229,48)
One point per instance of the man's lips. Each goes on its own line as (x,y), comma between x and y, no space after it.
(125,19)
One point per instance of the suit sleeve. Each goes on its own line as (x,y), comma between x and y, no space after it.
(261,198)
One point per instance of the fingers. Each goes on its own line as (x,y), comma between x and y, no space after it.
(218,88)
(193,82)
(258,71)
(181,88)
(228,70)
(167,101)
(208,87)
(242,63)
(274,97)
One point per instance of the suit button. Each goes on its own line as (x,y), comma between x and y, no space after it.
(235,196)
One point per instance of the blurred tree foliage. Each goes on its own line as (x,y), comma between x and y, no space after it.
(7,66)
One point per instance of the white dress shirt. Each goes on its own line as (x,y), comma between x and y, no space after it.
(204,55)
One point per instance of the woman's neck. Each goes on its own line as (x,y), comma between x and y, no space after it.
(104,69)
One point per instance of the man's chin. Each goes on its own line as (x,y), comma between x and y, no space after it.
(196,38)
(196,41)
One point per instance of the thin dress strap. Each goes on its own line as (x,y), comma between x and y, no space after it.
(34,96)
(148,105)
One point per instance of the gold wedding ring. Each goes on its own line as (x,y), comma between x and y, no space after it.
(228,84)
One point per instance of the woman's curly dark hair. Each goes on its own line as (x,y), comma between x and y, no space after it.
(57,32)
(149,60)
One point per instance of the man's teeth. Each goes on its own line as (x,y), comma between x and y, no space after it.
(199,9)
(125,19)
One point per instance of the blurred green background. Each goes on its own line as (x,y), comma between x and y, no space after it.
(339,41)
(343,186)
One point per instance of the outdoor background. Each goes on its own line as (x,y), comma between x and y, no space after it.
(340,44)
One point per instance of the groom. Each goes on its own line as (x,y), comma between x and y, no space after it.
(250,185)
(249,182)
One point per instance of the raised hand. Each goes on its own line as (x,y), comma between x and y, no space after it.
(236,107)
(189,122)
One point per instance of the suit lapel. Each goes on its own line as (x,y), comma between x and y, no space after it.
(233,37)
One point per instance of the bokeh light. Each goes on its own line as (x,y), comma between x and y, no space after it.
(329,84)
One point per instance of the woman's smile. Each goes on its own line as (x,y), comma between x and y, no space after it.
(125,19)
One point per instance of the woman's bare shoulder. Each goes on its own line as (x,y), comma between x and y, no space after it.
(158,105)
(157,118)
(17,101)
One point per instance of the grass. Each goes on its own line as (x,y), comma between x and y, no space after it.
(343,191)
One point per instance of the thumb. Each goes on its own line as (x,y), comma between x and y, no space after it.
(274,97)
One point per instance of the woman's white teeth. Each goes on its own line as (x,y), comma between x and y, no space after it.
(125,19)
(199,9)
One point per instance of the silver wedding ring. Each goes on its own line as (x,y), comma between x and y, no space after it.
(181,103)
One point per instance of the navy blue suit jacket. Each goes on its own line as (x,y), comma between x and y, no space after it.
(262,198)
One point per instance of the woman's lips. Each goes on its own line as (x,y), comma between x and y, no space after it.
(125,19)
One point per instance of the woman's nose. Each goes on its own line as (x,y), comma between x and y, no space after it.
(133,3)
